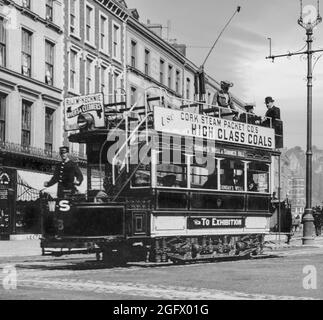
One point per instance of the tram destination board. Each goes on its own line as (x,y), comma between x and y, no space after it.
(212,222)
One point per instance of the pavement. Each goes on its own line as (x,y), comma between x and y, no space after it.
(20,248)
(31,248)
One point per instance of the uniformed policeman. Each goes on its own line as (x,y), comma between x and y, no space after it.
(67,174)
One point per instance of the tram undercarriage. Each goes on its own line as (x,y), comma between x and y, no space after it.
(183,249)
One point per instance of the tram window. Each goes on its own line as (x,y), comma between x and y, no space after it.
(204,177)
(232,175)
(171,175)
(142,177)
(258,177)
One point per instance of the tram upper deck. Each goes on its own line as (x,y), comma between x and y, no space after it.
(188,146)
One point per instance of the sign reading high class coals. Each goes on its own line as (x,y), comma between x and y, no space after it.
(202,126)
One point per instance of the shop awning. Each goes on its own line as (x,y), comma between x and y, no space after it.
(30,183)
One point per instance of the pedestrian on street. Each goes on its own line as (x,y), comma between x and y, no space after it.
(67,174)
(272,112)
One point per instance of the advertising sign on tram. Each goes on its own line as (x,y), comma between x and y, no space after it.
(218,129)
(91,105)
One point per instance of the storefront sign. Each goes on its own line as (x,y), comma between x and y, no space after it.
(212,222)
(202,126)
(91,105)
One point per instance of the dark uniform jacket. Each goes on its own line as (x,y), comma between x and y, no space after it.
(64,175)
(273,113)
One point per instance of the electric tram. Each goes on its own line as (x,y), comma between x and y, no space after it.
(166,180)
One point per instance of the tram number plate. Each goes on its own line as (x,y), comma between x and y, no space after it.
(212,222)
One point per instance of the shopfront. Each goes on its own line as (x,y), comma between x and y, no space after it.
(20,203)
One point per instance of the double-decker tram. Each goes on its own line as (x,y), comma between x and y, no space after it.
(167,181)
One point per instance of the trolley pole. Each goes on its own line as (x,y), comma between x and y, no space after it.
(307,219)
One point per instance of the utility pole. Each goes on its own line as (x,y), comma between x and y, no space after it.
(307,219)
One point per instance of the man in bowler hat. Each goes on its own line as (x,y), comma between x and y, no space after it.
(273,112)
(67,174)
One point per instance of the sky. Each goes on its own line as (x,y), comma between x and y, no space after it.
(239,56)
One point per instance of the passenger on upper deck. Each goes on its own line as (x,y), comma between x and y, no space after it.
(224,99)
(273,112)
(249,116)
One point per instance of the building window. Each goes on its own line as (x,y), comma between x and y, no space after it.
(26,123)
(49,133)
(26,52)
(133,53)
(116,84)
(73,16)
(116,42)
(103,33)
(188,88)
(2,118)
(170,76)
(89,77)
(89,24)
(209,98)
(178,80)
(2,43)
(49,62)
(73,57)
(147,58)
(49,10)
(133,97)
(104,77)
(26,4)
(161,71)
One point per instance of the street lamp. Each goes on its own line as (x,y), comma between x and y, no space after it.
(308,219)
(309,27)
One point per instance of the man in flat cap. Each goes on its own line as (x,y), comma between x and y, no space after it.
(273,112)
(223,97)
(67,174)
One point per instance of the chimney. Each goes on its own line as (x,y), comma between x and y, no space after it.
(155,27)
(180,47)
